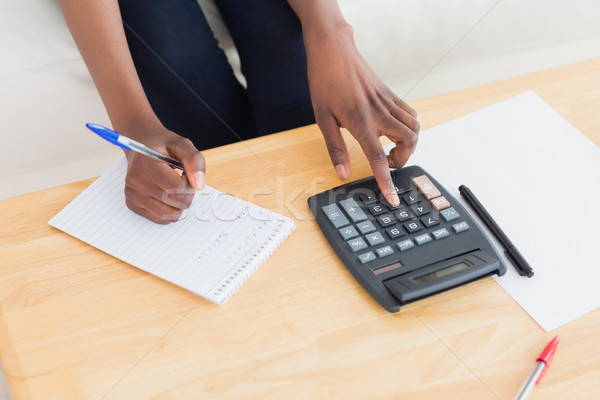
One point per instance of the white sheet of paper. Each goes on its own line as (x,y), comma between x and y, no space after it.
(539,178)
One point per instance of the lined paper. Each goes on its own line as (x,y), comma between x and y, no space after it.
(215,246)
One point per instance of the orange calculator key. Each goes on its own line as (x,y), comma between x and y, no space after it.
(426,187)
(440,203)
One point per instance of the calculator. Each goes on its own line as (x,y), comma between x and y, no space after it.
(400,254)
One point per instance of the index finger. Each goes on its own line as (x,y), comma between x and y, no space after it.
(381,171)
(184,150)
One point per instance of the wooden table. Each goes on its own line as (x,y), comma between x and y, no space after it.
(76,323)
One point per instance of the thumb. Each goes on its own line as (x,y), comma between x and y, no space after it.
(335,145)
(193,161)
(398,156)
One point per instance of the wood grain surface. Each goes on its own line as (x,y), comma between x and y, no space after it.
(76,323)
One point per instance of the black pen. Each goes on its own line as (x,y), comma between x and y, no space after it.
(521,265)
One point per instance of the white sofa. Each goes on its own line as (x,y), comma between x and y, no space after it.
(419,47)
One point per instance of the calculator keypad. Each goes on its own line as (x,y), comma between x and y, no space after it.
(374,229)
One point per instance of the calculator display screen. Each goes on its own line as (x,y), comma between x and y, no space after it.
(442,272)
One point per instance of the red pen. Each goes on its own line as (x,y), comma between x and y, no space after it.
(543,362)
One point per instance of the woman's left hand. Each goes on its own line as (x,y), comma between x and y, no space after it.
(345,92)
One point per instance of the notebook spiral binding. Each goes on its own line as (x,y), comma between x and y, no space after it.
(250,266)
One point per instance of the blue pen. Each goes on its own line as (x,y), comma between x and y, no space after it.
(129,144)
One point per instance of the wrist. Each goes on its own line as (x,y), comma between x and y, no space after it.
(327,31)
(151,133)
(142,127)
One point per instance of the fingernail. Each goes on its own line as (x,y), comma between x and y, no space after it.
(394,199)
(341,171)
(199,180)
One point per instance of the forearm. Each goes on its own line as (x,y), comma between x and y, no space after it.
(98,31)
(325,31)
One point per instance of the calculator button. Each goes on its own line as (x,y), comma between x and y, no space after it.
(426,187)
(384,251)
(403,214)
(335,215)
(401,190)
(440,203)
(393,233)
(357,244)
(429,221)
(440,233)
(366,257)
(411,198)
(377,209)
(460,227)
(386,220)
(389,205)
(405,245)
(422,239)
(353,210)
(449,214)
(375,238)
(420,209)
(348,232)
(412,226)
(366,227)
(366,196)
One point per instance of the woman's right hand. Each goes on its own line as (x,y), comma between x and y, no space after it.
(152,188)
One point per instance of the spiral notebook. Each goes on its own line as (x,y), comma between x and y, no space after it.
(216,245)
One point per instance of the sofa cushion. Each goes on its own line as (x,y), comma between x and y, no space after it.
(33,35)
